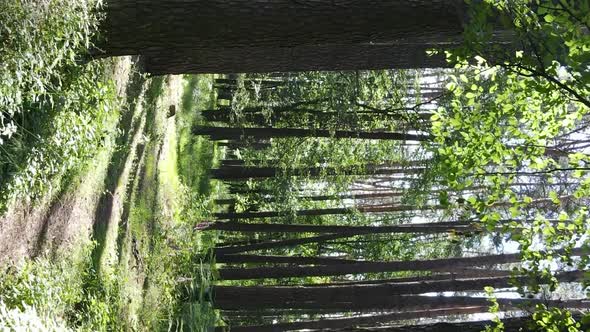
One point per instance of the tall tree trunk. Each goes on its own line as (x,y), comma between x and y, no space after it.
(272,296)
(396,302)
(291,59)
(148,27)
(329,211)
(372,320)
(382,194)
(445,264)
(515,324)
(262,172)
(221,133)
(240,259)
(425,228)
(277,244)
(459,273)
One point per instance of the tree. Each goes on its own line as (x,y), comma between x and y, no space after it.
(188,29)
(524,323)
(220,133)
(356,293)
(289,59)
(444,264)
(372,320)
(394,302)
(295,228)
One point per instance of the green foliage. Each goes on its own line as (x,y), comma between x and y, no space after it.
(494,309)
(194,172)
(53,112)
(67,292)
(555,320)
(508,112)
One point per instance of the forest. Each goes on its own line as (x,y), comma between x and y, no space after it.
(311,165)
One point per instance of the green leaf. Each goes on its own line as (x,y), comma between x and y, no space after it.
(549,18)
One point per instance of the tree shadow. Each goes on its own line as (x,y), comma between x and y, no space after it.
(127,128)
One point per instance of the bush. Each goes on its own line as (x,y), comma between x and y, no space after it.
(67,292)
(53,113)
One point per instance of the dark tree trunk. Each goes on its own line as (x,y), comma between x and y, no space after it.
(394,302)
(373,320)
(154,27)
(239,259)
(221,133)
(383,194)
(337,211)
(445,264)
(459,273)
(277,244)
(262,172)
(516,324)
(278,295)
(292,59)
(425,228)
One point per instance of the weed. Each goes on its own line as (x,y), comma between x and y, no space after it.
(65,292)
(53,113)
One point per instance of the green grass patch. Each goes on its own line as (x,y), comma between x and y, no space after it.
(197,155)
(192,267)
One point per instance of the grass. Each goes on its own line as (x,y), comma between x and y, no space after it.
(59,290)
(194,172)
(152,270)
(64,131)
(195,157)
(54,114)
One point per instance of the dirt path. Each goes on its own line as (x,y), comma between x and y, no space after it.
(64,217)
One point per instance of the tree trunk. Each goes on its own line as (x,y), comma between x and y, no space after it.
(277,244)
(426,228)
(332,211)
(382,194)
(515,324)
(372,320)
(240,259)
(396,302)
(459,273)
(262,172)
(270,296)
(221,133)
(445,264)
(154,27)
(293,59)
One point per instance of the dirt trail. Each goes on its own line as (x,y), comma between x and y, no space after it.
(65,217)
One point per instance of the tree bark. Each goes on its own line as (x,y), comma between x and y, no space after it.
(240,259)
(459,273)
(372,320)
(294,228)
(277,244)
(398,303)
(147,27)
(292,59)
(383,194)
(331,211)
(445,264)
(221,133)
(270,296)
(515,324)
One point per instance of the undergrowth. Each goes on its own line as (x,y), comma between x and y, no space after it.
(191,265)
(57,294)
(53,111)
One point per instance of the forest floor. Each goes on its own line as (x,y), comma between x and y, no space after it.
(115,213)
(62,218)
